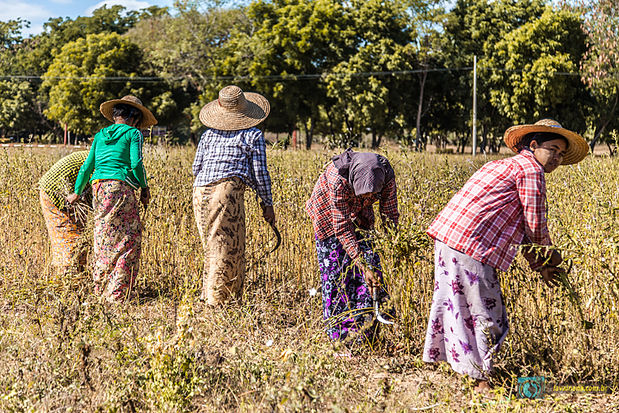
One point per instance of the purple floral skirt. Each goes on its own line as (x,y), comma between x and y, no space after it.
(468,321)
(347,302)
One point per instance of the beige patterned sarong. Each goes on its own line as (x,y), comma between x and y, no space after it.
(220,215)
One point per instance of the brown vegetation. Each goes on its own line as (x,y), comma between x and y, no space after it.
(60,348)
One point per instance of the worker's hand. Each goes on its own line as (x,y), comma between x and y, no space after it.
(555,258)
(268,213)
(370,277)
(145,196)
(551,275)
(72,198)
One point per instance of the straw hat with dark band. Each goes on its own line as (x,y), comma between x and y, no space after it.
(577,147)
(235,110)
(148,119)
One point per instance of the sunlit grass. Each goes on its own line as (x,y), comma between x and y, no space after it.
(61,348)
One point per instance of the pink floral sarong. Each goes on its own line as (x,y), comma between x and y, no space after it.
(117,238)
(468,320)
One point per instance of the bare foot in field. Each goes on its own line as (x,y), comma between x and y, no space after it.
(482,387)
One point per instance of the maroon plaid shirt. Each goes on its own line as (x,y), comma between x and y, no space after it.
(501,206)
(335,210)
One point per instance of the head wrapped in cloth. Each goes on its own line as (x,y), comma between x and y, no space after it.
(365,171)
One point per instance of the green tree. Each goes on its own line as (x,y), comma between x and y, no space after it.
(16,116)
(59,31)
(474,28)
(366,99)
(291,45)
(600,63)
(11,41)
(425,16)
(538,74)
(17,93)
(188,50)
(32,56)
(77,84)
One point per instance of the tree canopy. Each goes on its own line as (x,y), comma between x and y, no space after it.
(344,72)
(82,76)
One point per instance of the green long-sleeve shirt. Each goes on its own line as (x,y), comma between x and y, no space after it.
(116,153)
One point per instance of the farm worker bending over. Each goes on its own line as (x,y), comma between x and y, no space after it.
(64,224)
(115,170)
(231,155)
(500,207)
(341,210)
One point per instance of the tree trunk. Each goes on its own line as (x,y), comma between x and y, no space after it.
(484,139)
(330,119)
(611,149)
(351,135)
(376,138)
(288,138)
(461,143)
(309,133)
(599,130)
(419,134)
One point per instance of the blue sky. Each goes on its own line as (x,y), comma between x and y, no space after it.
(39,11)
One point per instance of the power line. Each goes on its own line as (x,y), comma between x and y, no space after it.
(266,77)
(533,71)
(106,78)
(281,77)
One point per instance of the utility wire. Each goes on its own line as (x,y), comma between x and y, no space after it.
(279,77)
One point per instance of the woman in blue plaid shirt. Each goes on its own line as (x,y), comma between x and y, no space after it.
(231,155)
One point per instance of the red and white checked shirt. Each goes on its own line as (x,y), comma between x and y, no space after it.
(500,206)
(335,210)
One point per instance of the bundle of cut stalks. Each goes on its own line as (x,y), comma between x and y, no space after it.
(80,209)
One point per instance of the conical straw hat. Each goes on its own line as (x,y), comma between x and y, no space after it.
(148,119)
(235,110)
(577,147)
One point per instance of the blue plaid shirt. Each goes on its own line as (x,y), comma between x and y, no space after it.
(223,154)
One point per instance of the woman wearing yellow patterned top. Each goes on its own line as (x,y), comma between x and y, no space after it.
(115,162)
(64,228)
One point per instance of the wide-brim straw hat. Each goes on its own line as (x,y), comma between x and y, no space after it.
(577,147)
(148,119)
(235,110)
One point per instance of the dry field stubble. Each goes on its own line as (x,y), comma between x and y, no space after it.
(61,349)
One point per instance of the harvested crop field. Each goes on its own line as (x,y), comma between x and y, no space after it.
(62,349)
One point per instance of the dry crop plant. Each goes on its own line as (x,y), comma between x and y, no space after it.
(61,348)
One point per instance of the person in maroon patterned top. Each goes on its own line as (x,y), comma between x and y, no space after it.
(341,211)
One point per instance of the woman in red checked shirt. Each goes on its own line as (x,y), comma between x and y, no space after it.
(340,206)
(502,206)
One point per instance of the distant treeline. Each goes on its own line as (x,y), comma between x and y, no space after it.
(337,71)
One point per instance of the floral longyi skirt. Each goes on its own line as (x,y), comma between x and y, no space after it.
(347,301)
(468,320)
(117,238)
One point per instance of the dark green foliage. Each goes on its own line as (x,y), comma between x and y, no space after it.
(349,72)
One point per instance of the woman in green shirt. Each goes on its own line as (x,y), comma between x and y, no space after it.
(114,168)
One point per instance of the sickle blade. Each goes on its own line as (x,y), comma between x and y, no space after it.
(379,317)
(279,238)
